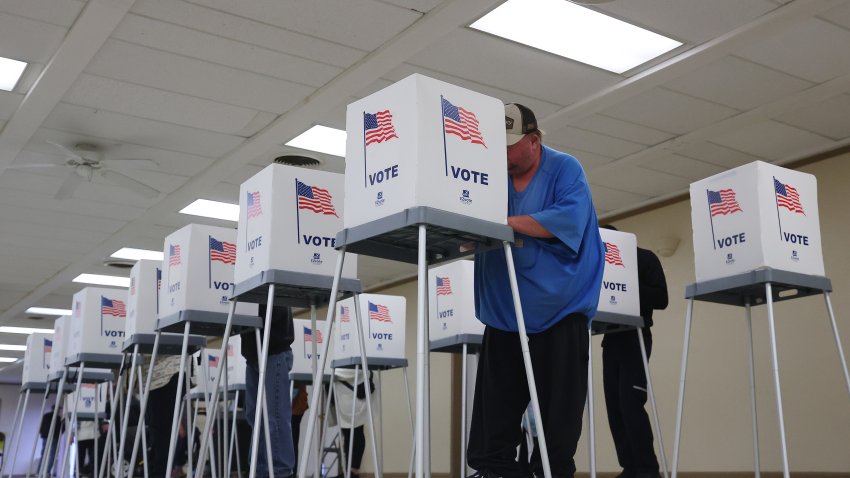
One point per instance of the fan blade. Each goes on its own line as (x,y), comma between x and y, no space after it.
(129,183)
(141,161)
(69,185)
(35,166)
(69,152)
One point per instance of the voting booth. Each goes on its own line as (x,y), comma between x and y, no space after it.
(197,277)
(235,364)
(57,356)
(756,215)
(37,358)
(424,142)
(143,297)
(619,297)
(288,220)
(451,306)
(96,326)
(90,397)
(302,349)
(383,320)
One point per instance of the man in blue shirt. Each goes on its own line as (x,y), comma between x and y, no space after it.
(559,259)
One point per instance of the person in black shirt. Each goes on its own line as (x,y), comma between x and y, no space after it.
(624,378)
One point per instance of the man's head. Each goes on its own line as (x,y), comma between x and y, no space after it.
(524,139)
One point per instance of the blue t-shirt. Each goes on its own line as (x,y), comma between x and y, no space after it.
(556,276)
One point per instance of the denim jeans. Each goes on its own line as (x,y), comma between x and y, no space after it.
(279,413)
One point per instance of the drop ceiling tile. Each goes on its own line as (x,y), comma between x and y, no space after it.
(131,63)
(669,111)
(622,129)
(126,129)
(811,49)
(607,199)
(49,11)
(637,180)
(9,102)
(737,83)
(10,197)
(150,103)
(683,166)
(839,15)
(716,154)
(693,20)
(593,142)
(216,49)
(513,67)
(828,118)
(589,161)
(366,24)
(772,140)
(422,6)
(29,40)
(63,220)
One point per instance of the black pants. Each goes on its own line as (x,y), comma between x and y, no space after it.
(359,445)
(296,433)
(158,419)
(559,360)
(624,380)
(85,448)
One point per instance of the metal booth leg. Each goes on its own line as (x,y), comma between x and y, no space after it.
(42,472)
(651,394)
(35,442)
(463,406)
(266,429)
(685,344)
(753,410)
(142,409)
(837,339)
(526,358)
(172,446)
(372,435)
(591,423)
(73,426)
(768,290)
(122,442)
(423,435)
(412,426)
(318,373)
(16,431)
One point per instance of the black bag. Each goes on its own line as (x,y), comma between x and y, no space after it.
(361,387)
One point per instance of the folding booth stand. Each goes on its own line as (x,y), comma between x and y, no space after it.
(763,286)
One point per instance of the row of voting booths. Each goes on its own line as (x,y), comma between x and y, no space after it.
(424,184)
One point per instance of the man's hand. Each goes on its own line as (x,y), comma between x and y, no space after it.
(529,226)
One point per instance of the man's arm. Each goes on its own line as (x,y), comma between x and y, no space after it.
(529,226)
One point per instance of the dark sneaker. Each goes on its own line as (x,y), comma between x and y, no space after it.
(483,474)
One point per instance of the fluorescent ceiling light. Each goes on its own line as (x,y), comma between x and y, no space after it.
(137,254)
(8,359)
(19,348)
(575,32)
(24,330)
(213,209)
(322,139)
(10,72)
(98,279)
(47,311)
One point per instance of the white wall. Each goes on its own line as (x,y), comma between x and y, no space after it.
(9,395)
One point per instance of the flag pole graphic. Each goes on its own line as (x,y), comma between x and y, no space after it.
(209,261)
(711,220)
(776,201)
(364,149)
(297,213)
(443,120)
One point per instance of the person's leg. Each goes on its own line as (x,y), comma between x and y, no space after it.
(279,413)
(559,358)
(252,380)
(158,420)
(296,434)
(638,430)
(612,360)
(359,448)
(501,396)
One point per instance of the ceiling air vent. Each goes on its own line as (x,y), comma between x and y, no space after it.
(119,263)
(297,160)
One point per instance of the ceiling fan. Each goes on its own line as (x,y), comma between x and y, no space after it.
(86,161)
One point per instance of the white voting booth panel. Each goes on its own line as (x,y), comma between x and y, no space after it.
(197,271)
(235,363)
(60,340)
(383,319)
(756,215)
(302,348)
(37,358)
(208,360)
(451,304)
(98,320)
(89,396)
(143,297)
(288,220)
(620,293)
(424,142)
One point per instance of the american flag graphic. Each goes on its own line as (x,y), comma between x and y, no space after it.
(113,307)
(462,123)
(344,314)
(174,254)
(254,208)
(723,202)
(444,286)
(379,312)
(612,255)
(378,127)
(315,199)
(787,197)
(308,335)
(48,346)
(212,360)
(222,251)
